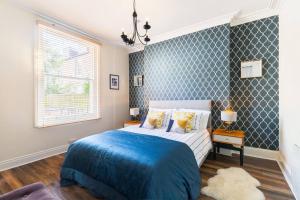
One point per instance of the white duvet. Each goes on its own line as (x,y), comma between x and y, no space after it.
(198,141)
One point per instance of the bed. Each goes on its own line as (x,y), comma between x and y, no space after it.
(199,142)
(138,163)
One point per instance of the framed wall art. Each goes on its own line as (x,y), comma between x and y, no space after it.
(114,82)
(251,69)
(138,80)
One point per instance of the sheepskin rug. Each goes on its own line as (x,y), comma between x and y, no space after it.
(233,184)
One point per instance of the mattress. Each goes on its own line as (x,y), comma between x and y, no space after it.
(199,141)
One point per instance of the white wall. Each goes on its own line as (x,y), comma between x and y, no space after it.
(18,136)
(289,89)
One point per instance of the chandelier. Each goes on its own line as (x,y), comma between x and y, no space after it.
(144,39)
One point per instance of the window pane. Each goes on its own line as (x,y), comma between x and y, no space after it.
(66,97)
(66,57)
(67,85)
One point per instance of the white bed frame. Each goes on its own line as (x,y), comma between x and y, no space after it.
(186,104)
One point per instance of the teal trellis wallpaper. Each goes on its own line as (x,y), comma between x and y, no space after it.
(257,99)
(193,66)
(206,65)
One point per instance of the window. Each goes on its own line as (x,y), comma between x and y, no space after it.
(66,77)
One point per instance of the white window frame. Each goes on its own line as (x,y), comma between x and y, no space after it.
(38,70)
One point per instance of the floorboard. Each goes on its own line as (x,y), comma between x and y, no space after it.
(273,184)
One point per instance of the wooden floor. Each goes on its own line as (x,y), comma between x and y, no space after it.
(267,172)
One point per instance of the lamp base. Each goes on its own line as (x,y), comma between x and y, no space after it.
(134,118)
(226,127)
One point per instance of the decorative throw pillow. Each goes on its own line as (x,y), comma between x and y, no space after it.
(143,121)
(180,126)
(183,122)
(167,117)
(170,125)
(154,120)
(201,118)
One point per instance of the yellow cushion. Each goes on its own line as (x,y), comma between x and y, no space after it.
(184,120)
(152,121)
(182,123)
(155,118)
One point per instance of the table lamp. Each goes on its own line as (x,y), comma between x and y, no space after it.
(228,116)
(134,112)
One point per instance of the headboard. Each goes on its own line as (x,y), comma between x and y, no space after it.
(187,104)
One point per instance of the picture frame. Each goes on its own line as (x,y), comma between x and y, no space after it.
(138,80)
(114,82)
(251,69)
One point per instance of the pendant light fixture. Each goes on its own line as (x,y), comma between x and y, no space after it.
(144,39)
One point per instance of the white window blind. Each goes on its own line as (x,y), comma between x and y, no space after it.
(66,77)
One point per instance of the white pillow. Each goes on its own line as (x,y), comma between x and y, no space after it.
(204,120)
(201,118)
(168,115)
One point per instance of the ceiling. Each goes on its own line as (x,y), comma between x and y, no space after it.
(106,18)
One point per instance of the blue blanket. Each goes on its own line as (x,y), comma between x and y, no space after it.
(123,165)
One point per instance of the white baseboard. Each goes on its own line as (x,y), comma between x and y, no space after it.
(255,152)
(286,171)
(261,153)
(23,160)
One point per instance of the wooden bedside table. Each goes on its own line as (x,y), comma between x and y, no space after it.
(131,123)
(233,140)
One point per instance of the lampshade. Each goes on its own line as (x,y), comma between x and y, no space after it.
(134,111)
(228,116)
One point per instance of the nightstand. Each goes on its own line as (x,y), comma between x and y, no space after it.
(233,140)
(131,123)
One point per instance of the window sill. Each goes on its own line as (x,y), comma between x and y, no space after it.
(68,123)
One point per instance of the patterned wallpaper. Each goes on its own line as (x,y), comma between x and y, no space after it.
(193,66)
(206,65)
(136,94)
(256,100)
